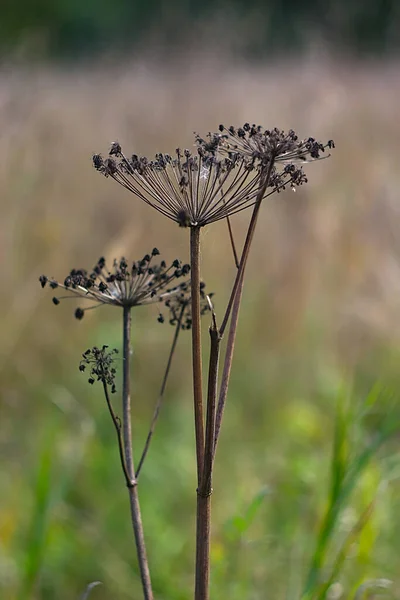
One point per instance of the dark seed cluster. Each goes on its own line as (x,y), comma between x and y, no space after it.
(100,363)
(218,180)
(264,145)
(133,284)
(180,306)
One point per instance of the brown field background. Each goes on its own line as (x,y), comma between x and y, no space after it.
(322,306)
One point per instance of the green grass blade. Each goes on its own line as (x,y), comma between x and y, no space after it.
(344,550)
(37,535)
(345,476)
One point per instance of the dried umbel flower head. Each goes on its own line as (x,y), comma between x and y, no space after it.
(126,285)
(261,146)
(100,362)
(180,305)
(191,189)
(274,151)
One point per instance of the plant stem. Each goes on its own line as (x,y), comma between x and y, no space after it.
(249,238)
(235,301)
(215,340)
(226,373)
(126,394)
(196,348)
(204,490)
(161,394)
(132,486)
(117,424)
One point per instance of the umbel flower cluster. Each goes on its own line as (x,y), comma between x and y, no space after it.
(193,189)
(180,306)
(261,146)
(100,362)
(129,285)
(220,178)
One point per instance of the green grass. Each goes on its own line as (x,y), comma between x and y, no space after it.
(306,488)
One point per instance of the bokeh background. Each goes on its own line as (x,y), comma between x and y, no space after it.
(321,309)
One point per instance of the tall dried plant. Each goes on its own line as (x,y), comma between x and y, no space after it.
(231,170)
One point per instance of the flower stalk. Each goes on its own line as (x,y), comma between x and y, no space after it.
(213,428)
(204,491)
(264,183)
(127,437)
(234,303)
(230,171)
(197,348)
(162,390)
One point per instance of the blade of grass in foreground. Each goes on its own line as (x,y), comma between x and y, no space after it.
(37,535)
(345,475)
(344,550)
(380,586)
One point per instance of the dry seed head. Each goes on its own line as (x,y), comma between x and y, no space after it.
(125,285)
(192,189)
(263,145)
(101,365)
(180,306)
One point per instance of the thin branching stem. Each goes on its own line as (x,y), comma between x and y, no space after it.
(196,348)
(265,177)
(127,438)
(203,520)
(226,373)
(161,394)
(233,307)
(126,393)
(204,490)
(215,340)
(117,424)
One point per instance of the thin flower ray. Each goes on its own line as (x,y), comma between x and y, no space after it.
(228,196)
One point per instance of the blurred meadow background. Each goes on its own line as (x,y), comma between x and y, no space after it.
(320,320)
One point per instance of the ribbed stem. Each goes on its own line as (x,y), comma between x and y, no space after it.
(127,438)
(235,301)
(196,348)
(161,394)
(226,373)
(204,491)
(249,238)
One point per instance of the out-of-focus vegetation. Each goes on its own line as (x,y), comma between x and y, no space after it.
(255,27)
(320,319)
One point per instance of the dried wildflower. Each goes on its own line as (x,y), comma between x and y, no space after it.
(180,305)
(125,285)
(267,149)
(261,145)
(100,361)
(191,189)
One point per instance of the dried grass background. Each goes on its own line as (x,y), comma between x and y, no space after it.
(322,303)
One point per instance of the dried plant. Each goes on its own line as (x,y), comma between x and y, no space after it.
(127,287)
(231,170)
(193,190)
(261,145)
